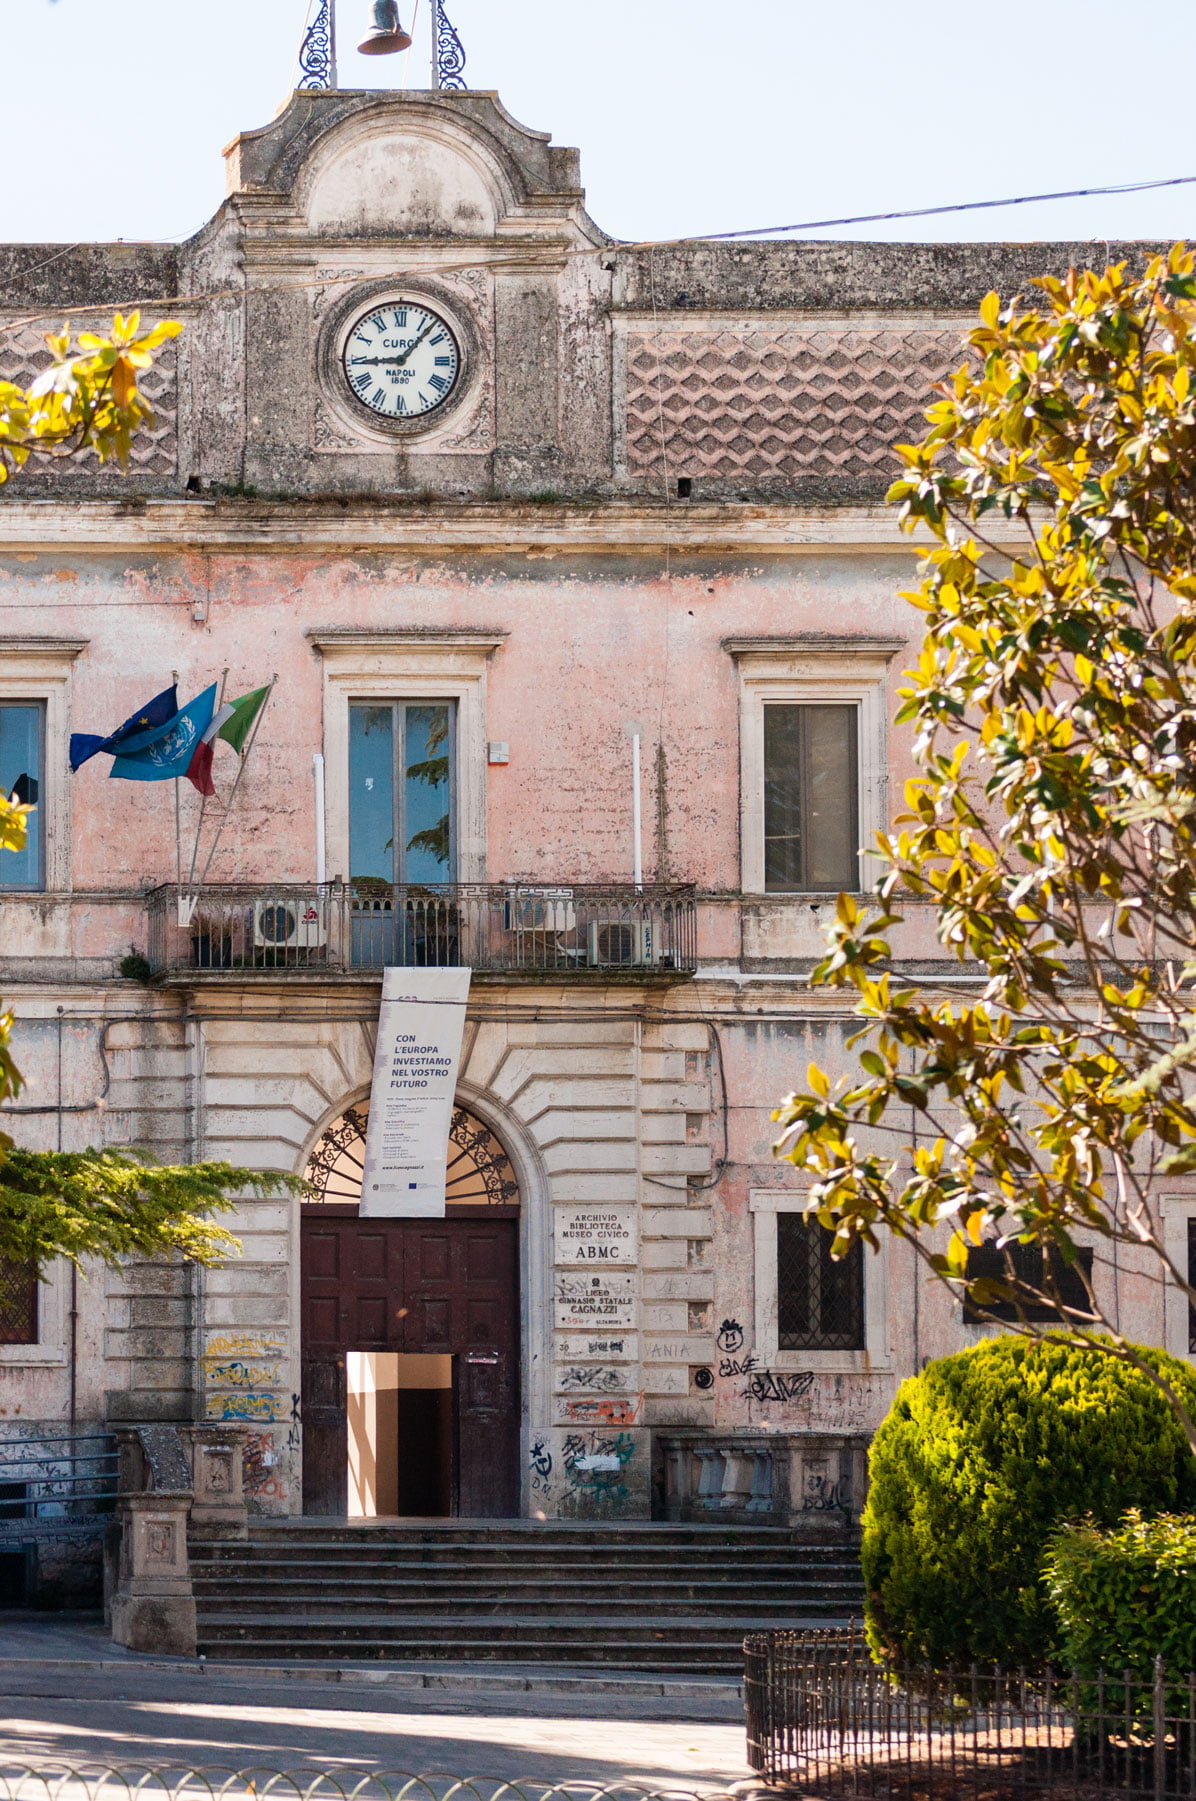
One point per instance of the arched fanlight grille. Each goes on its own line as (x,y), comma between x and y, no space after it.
(479,1171)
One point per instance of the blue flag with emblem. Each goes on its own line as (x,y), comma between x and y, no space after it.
(138,729)
(162,755)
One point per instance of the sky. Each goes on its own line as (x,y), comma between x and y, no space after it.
(691,117)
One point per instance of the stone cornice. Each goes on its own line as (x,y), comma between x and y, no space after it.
(816,644)
(27,646)
(502,528)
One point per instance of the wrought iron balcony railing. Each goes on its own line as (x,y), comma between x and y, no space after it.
(371,925)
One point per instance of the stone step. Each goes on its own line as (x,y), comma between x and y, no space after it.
(445,1557)
(355,1610)
(523,1534)
(241,1558)
(654,1597)
(694,1645)
(581,1588)
(666,1660)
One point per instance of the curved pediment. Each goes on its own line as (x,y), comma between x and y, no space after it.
(417,165)
(382,176)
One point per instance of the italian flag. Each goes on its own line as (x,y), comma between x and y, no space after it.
(233,722)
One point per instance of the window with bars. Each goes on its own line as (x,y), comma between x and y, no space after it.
(820,1299)
(811,803)
(1027,1264)
(18,1302)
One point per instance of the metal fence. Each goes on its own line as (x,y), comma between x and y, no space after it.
(55,1484)
(371,925)
(145,1783)
(823,1718)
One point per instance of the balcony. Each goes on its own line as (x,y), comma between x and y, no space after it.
(363,927)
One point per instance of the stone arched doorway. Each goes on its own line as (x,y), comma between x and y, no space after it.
(410,1334)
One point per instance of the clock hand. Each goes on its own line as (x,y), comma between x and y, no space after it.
(398,361)
(429,327)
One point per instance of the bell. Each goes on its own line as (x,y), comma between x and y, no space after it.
(385,35)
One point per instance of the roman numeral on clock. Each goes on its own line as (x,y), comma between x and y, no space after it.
(438,382)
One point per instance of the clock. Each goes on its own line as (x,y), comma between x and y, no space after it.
(401,360)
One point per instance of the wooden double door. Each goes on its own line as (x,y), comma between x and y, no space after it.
(443,1287)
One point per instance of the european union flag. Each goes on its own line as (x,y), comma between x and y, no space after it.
(160,756)
(138,728)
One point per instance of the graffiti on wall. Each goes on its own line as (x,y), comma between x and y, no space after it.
(594,1467)
(590,1411)
(243,1373)
(261,1407)
(595,1377)
(779,1385)
(541,1473)
(730,1337)
(262,1478)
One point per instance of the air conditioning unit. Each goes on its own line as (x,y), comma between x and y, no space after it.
(540,910)
(285,924)
(623,945)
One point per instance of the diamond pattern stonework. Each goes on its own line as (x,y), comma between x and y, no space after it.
(779,404)
(23,356)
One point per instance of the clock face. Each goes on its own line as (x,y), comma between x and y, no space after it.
(401,360)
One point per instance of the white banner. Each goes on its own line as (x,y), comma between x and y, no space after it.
(420,1025)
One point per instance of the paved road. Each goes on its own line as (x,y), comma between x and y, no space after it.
(137,1716)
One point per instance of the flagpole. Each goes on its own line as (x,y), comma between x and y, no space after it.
(203,799)
(178,825)
(237,783)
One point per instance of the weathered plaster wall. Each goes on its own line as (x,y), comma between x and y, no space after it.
(655,452)
(591,652)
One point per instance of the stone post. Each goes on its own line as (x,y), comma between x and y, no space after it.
(153,1608)
(217,1477)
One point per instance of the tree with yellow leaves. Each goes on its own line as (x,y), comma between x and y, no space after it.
(1052,827)
(101,1203)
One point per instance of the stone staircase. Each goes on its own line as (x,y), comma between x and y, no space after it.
(633,1596)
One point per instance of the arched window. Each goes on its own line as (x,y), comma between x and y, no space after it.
(480,1176)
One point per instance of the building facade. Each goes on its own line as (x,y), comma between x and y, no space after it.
(503,510)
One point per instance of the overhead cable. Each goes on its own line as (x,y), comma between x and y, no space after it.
(926,212)
(612,247)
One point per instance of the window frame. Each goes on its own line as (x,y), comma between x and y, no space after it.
(817,1244)
(40,671)
(803,783)
(49,1349)
(764,1204)
(1175,1213)
(35,823)
(806,671)
(1006,1312)
(387,666)
(399,705)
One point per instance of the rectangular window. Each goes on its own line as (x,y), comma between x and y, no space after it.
(1027,1266)
(22,757)
(811,803)
(401,792)
(820,1300)
(18,1302)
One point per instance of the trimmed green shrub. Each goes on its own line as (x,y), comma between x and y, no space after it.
(981,1458)
(1126,1596)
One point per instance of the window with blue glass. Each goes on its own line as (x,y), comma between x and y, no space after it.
(22,776)
(401,793)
